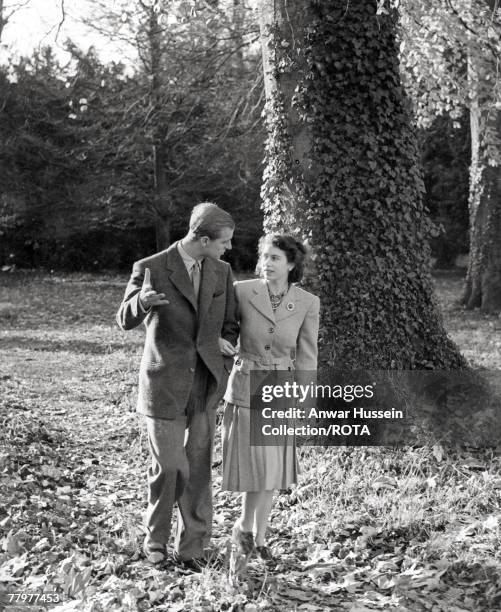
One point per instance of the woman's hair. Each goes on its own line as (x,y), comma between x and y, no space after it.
(293,249)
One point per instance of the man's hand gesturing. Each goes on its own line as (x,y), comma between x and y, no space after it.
(148,296)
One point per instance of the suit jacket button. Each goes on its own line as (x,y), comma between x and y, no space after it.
(192,369)
(267,347)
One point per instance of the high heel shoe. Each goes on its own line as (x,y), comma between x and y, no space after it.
(265,554)
(242,547)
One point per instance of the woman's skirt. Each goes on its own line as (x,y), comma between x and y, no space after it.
(253,468)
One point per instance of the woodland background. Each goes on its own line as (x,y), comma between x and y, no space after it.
(98,158)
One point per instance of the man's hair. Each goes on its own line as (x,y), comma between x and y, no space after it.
(294,250)
(207,219)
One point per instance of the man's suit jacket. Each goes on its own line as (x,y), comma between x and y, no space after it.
(283,339)
(178,331)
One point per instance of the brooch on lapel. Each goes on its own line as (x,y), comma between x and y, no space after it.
(289,306)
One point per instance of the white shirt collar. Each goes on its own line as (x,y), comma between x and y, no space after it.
(188,260)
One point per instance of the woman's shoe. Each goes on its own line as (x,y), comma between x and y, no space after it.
(265,554)
(242,547)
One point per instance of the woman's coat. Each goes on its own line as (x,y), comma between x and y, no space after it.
(282,339)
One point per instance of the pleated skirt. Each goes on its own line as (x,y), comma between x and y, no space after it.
(253,468)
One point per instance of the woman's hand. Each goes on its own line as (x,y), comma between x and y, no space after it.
(226,347)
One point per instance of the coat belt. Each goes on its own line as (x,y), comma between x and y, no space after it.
(259,359)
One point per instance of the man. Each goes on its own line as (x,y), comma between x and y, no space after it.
(184,295)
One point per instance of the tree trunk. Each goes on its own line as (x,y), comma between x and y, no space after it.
(162,232)
(2,22)
(163,205)
(342,171)
(163,201)
(238,28)
(289,134)
(483,279)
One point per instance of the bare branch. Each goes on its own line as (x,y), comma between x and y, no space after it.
(63,17)
(5,17)
(14,8)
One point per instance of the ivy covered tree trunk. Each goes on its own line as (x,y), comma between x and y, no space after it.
(342,171)
(483,280)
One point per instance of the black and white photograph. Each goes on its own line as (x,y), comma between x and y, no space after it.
(250,305)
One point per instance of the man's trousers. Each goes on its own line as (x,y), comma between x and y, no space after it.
(181,451)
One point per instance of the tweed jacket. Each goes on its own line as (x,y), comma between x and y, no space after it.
(283,339)
(178,331)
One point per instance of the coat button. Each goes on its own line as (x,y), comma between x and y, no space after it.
(271,330)
(192,369)
(267,347)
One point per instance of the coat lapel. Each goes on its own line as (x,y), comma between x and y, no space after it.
(207,286)
(179,275)
(290,305)
(261,301)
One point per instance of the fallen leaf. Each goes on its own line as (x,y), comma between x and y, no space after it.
(11,544)
(491,522)
(384,482)
(438,452)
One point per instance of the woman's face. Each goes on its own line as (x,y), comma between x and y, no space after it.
(274,264)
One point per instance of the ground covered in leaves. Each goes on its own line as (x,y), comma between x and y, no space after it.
(365,529)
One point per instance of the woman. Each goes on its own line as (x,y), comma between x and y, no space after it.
(278,330)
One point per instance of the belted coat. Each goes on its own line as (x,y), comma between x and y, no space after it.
(179,331)
(283,339)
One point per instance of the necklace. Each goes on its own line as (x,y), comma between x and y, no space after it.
(276,298)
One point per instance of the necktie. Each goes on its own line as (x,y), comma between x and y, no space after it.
(195,277)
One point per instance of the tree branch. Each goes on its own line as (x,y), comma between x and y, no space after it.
(63,18)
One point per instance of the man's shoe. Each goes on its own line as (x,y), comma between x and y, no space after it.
(195,565)
(153,551)
(215,560)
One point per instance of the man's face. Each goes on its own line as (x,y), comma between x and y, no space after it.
(217,247)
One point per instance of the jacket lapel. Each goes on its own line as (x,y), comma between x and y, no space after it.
(290,305)
(179,275)
(261,301)
(207,286)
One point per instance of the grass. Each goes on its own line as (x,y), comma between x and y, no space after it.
(374,528)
